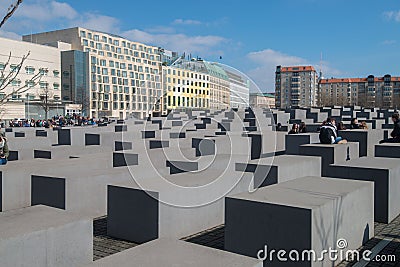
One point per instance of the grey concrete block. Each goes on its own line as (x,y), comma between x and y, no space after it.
(129,221)
(44,237)
(177,123)
(148,134)
(64,137)
(125,159)
(203,147)
(301,214)
(41,154)
(92,139)
(154,144)
(391,150)
(331,154)
(366,139)
(273,170)
(294,141)
(385,173)
(49,191)
(177,135)
(120,146)
(182,166)
(19,134)
(41,133)
(121,128)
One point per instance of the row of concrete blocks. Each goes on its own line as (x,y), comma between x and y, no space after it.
(64,239)
(124,201)
(225,220)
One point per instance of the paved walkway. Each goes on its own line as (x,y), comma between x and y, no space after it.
(104,245)
(214,238)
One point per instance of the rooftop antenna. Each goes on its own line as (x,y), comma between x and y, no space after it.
(320,67)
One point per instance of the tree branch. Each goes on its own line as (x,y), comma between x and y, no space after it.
(11,11)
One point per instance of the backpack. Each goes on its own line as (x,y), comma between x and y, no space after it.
(325,135)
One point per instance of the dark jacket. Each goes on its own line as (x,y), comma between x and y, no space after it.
(354,126)
(328,134)
(396,130)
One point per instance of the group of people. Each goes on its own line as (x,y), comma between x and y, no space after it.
(298,128)
(328,132)
(54,121)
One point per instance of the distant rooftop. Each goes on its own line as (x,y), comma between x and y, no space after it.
(263,94)
(297,68)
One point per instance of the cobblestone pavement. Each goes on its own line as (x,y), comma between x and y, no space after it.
(104,245)
(214,238)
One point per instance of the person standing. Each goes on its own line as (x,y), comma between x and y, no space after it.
(4,152)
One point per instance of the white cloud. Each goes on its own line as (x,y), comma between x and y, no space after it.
(10,35)
(46,10)
(204,45)
(267,60)
(388,42)
(392,15)
(186,22)
(97,22)
(160,29)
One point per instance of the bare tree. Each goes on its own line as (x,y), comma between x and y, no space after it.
(324,99)
(46,100)
(342,100)
(7,78)
(10,12)
(84,101)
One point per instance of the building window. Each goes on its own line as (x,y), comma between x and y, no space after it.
(43,72)
(43,85)
(56,73)
(14,68)
(56,86)
(15,82)
(30,70)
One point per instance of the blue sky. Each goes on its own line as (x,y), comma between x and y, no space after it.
(356,38)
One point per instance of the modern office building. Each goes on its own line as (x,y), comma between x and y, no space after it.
(368,92)
(296,86)
(220,95)
(27,85)
(75,80)
(262,100)
(124,76)
(239,90)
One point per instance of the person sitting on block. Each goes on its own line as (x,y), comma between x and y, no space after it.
(328,133)
(395,134)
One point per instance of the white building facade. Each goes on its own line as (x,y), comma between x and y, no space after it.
(125,76)
(23,90)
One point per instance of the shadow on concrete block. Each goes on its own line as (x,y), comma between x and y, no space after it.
(125,159)
(49,191)
(132,214)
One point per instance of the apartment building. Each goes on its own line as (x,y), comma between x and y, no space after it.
(368,92)
(296,86)
(123,77)
(24,92)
